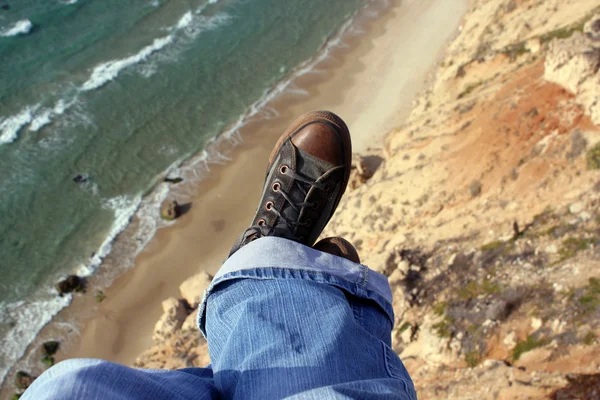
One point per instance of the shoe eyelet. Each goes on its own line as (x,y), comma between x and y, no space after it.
(308,222)
(276,186)
(261,222)
(316,205)
(301,239)
(327,188)
(269,206)
(283,169)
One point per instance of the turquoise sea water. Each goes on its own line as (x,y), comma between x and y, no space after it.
(119,91)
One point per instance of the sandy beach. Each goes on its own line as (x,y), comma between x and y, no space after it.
(370,80)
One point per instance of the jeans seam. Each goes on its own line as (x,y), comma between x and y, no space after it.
(365,276)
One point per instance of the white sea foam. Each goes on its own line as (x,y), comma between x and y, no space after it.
(124,208)
(22,27)
(41,119)
(26,318)
(108,71)
(46,115)
(69,2)
(185,21)
(10,126)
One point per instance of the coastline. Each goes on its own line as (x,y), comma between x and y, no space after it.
(119,328)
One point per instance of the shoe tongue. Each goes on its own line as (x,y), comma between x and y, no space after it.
(310,167)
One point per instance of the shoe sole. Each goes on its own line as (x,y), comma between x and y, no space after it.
(328,118)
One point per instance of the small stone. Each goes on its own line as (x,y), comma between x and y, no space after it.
(190,322)
(536,323)
(23,380)
(490,363)
(533,45)
(509,340)
(170,210)
(551,248)
(415,268)
(100,296)
(173,180)
(192,289)
(71,283)
(406,336)
(585,216)
(451,259)
(557,326)
(576,208)
(498,310)
(475,188)
(557,287)
(396,277)
(50,348)
(404,266)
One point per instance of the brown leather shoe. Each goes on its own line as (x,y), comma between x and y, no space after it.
(307,175)
(338,247)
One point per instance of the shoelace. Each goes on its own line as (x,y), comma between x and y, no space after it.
(297,177)
(256,232)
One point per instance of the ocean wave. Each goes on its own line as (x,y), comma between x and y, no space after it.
(190,23)
(108,71)
(69,2)
(46,115)
(22,27)
(124,208)
(10,126)
(185,20)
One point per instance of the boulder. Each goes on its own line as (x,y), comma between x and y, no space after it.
(71,283)
(363,169)
(592,30)
(533,45)
(81,178)
(173,180)
(175,312)
(170,210)
(190,322)
(50,348)
(573,63)
(192,289)
(576,208)
(23,380)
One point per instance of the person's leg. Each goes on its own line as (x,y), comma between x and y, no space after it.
(288,337)
(283,319)
(96,379)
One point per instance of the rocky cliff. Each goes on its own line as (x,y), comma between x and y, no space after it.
(483,214)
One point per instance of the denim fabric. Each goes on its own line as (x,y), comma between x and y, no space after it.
(282,321)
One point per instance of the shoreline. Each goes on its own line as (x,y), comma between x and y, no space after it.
(119,328)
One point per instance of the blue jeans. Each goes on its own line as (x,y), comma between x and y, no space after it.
(282,320)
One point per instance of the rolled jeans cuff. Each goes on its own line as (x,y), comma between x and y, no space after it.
(278,258)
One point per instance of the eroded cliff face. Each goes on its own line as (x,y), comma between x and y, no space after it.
(484,212)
